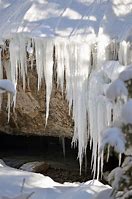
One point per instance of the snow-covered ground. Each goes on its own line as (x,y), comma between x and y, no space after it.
(15,183)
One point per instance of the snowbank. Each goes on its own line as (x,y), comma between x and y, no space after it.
(11,181)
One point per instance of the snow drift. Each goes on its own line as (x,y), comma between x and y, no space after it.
(17,184)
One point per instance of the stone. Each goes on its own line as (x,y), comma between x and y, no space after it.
(36,167)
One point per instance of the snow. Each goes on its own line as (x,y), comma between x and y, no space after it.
(112,69)
(116,89)
(126,74)
(114,137)
(127,112)
(17,184)
(86,35)
(105,194)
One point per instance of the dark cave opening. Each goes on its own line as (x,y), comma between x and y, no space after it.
(57,152)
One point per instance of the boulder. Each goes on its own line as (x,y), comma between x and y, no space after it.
(36,167)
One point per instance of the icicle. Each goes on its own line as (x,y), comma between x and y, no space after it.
(79,59)
(40,58)
(12,66)
(23,59)
(120,155)
(108,153)
(9,106)
(102,53)
(125,53)
(59,50)
(44,65)
(48,71)
(99,117)
(102,163)
(69,78)
(86,162)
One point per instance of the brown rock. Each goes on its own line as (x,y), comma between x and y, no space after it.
(29,116)
(36,167)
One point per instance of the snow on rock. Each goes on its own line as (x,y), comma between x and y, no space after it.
(114,137)
(44,187)
(35,166)
(127,112)
(126,74)
(112,69)
(116,89)
(115,177)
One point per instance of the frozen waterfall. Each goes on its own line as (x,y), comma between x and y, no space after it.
(88,46)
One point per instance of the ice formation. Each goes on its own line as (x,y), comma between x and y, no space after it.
(88,41)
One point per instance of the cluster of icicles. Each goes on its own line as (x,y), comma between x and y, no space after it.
(79,66)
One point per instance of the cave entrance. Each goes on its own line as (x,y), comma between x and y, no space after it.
(17,150)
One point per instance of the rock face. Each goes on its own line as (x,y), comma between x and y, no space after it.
(29,115)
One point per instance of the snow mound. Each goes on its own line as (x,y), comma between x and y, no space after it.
(127,112)
(126,74)
(112,69)
(114,137)
(116,89)
(44,187)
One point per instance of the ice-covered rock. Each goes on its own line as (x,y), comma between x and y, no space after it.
(114,137)
(116,89)
(126,74)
